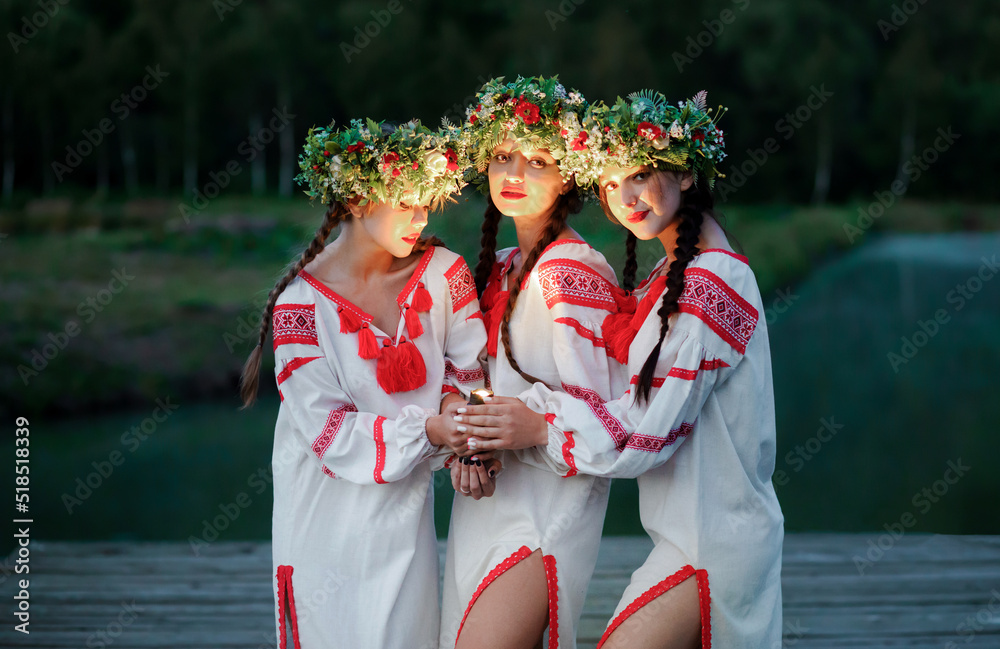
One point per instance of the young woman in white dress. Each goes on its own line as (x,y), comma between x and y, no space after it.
(520,561)
(697,424)
(370,332)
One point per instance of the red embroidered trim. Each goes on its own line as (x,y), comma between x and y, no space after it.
(711,300)
(655,444)
(328,472)
(463,376)
(330,294)
(657,382)
(573,282)
(450,389)
(689,375)
(380,450)
(294,323)
(478,315)
(284,577)
(553,581)
(705,605)
(646,598)
(330,430)
(293,365)
(567,449)
(600,410)
(726,252)
(582,331)
(523,553)
(425,260)
(460,284)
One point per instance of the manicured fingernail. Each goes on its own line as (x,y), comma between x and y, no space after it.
(493,473)
(473,458)
(487,399)
(462,410)
(479,463)
(462,429)
(472,443)
(458,417)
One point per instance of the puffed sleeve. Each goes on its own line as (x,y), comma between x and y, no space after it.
(623,438)
(360,447)
(579,291)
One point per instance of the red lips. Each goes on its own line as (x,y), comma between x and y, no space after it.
(512,193)
(412,239)
(637,217)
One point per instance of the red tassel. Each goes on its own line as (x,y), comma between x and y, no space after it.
(618,335)
(646,305)
(367,345)
(387,369)
(413,326)
(349,321)
(421,301)
(413,372)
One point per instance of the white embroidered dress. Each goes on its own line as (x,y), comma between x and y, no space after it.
(553,331)
(703,450)
(354,546)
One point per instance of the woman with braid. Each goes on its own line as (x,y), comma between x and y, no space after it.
(521,561)
(369,333)
(697,424)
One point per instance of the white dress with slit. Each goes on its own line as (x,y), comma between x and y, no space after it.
(555,336)
(354,546)
(703,449)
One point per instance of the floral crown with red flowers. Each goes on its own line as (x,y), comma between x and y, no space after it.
(537,111)
(381,163)
(644,129)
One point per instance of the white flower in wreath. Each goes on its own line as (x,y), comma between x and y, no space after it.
(661,143)
(334,164)
(436,162)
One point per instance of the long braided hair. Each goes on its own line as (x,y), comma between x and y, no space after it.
(488,245)
(566,204)
(696,202)
(336,213)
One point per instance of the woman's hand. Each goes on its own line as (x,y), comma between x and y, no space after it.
(503,423)
(476,477)
(443,430)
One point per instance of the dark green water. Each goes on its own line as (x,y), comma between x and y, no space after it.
(895,425)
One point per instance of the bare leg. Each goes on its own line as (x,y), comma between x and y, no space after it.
(512,612)
(671,621)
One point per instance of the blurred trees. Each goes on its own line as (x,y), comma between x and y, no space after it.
(898,72)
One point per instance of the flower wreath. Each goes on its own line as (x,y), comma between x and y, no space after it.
(644,129)
(536,110)
(382,164)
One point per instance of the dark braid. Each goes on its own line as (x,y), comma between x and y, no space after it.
(250,380)
(488,245)
(631,262)
(566,204)
(695,203)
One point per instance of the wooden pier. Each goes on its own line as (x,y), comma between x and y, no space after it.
(923,591)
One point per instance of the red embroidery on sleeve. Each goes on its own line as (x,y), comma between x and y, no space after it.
(600,410)
(293,365)
(573,282)
(463,376)
(657,382)
(711,300)
(329,472)
(450,389)
(330,430)
(567,451)
(690,375)
(654,443)
(582,331)
(294,323)
(379,450)
(460,284)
